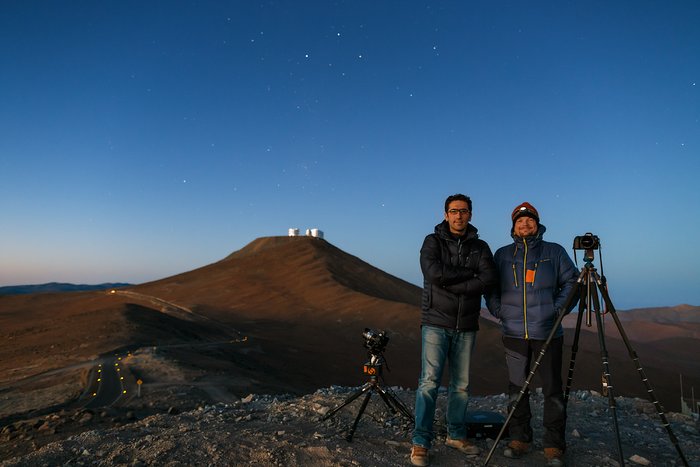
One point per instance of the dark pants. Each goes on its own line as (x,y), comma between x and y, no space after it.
(520,354)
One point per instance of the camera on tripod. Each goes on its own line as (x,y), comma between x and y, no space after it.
(375,341)
(586,242)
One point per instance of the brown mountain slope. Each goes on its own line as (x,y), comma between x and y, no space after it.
(297,274)
(300,303)
(305,290)
(52,331)
(303,303)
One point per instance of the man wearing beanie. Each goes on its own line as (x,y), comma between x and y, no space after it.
(457,269)
(535,278)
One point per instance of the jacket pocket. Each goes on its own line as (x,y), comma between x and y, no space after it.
(510,276)
(543,275)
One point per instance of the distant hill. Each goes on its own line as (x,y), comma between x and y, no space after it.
(650,324)
(642,324)
(52,287)
(671,315)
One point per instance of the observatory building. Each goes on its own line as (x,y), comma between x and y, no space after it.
(294,232)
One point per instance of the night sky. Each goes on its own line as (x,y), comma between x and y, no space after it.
(145,139)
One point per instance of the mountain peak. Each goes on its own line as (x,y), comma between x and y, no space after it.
(311,268)
(266,243)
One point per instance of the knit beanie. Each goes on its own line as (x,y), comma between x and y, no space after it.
(525,210)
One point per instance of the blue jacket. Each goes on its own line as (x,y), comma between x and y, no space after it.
(456,272)
(535,279)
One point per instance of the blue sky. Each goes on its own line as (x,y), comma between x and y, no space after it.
(145,139)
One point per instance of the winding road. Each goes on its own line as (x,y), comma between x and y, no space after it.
(109,383)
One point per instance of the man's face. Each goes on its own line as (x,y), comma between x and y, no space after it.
(525,226)
(458,216)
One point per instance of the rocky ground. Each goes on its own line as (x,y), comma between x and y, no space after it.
(169,427)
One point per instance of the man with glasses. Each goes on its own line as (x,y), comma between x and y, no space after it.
(458,269)
(536,278)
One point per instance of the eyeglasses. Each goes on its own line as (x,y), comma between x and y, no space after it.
(454,212)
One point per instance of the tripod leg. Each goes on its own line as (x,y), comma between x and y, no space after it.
(366,387)
(557,323)
(606,370)
(359,414)
(574,347)
(640,370)
(394,403)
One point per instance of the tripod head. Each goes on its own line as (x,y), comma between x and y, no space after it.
(375,343)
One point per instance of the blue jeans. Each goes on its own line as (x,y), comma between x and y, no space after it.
(438,345)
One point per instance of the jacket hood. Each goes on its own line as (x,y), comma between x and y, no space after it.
(443,231)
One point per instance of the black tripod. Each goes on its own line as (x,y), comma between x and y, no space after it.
(373,368)
(588,284)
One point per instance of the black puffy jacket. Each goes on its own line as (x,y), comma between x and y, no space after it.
(456,273)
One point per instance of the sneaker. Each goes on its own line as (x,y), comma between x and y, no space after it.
(554,456)
(462,445)
(419,455)
(516,449)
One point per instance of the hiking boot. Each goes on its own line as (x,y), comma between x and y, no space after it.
(516,449)
(554,456)
(462,445)
(419,455)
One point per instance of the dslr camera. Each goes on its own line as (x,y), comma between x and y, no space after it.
(375,341)
(586,242)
